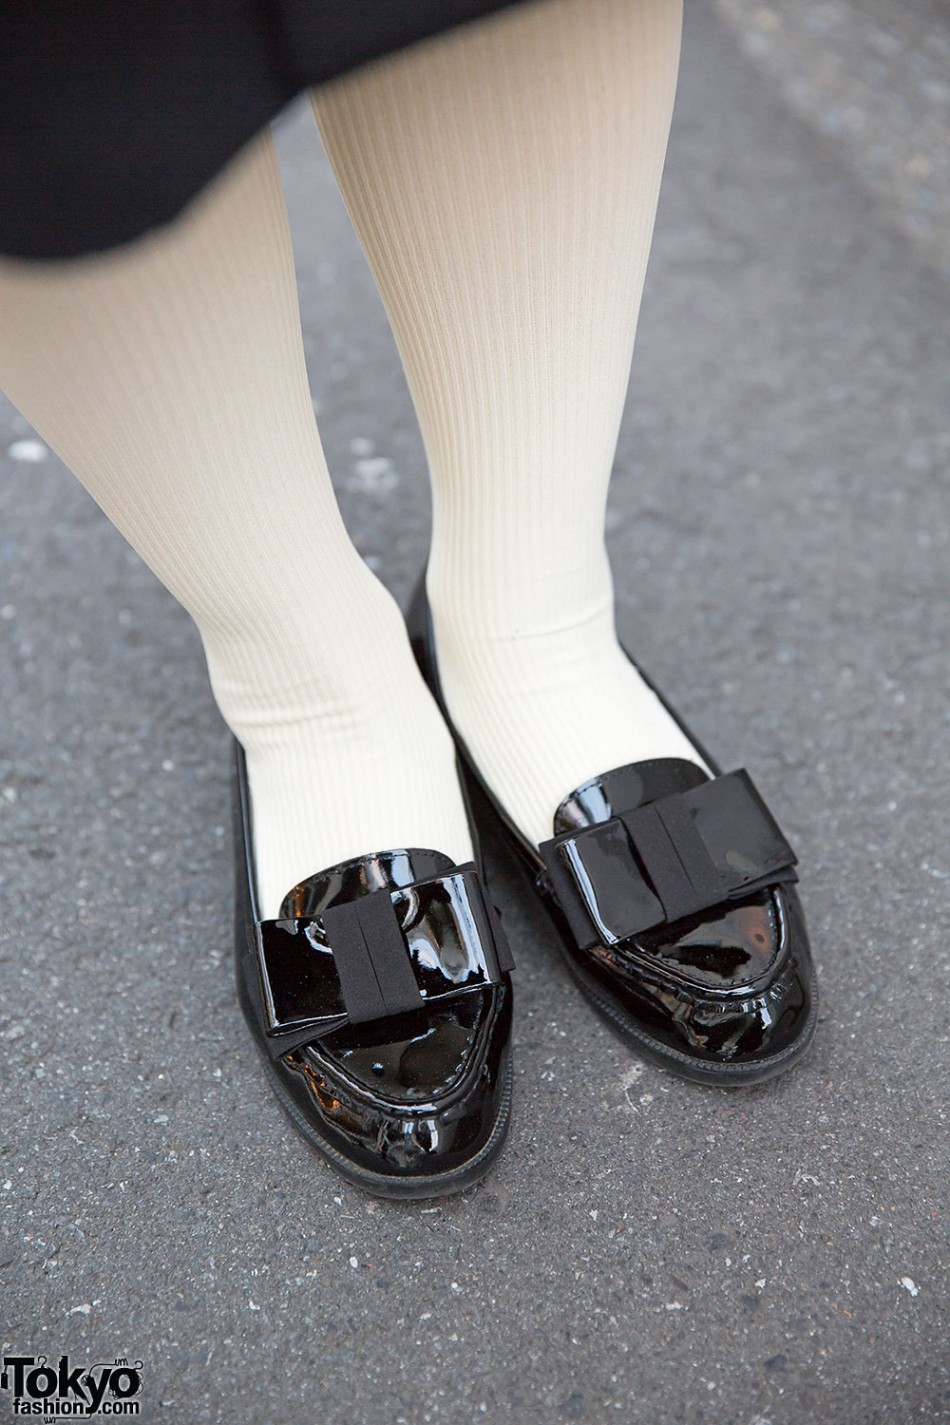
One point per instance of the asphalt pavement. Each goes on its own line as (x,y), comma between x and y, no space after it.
(647,1251)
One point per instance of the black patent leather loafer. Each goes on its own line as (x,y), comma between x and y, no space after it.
(380,999)
(674,900)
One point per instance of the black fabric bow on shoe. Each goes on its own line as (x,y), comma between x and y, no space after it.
(387,953)
(674,900)
(661,861)
(380,999)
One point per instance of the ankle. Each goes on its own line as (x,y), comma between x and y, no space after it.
(374,773)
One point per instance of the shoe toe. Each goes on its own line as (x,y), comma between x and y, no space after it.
(416,1097)
(732,947)
(733,991)
(426,1061)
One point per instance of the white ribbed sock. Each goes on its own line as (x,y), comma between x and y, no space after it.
(503,181)
(169,376)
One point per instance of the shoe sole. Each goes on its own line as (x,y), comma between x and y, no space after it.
(683,1065)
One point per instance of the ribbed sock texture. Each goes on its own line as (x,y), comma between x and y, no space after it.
(503,181)
(169,376)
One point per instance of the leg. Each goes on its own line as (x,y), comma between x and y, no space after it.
(503,180)
(169,376)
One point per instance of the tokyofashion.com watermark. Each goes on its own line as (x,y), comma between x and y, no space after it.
(43,1390)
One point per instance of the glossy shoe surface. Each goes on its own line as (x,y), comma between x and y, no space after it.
(726,994)
(408,1098)
(674,900)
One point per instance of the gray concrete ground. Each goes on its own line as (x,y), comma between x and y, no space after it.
(873,78)
(647,1251)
